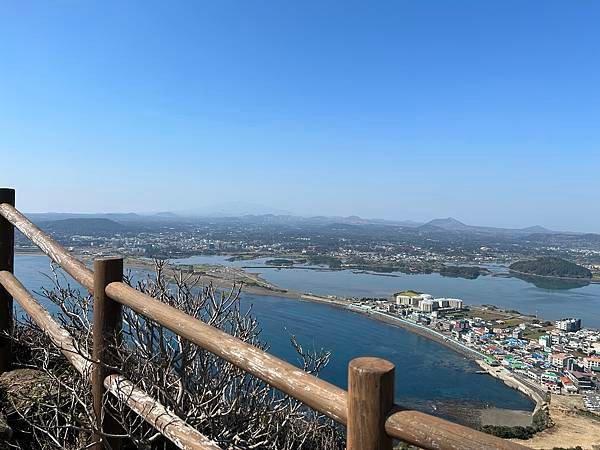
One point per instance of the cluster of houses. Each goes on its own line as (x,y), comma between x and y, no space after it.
(560,361)
(563,358)
(572,361)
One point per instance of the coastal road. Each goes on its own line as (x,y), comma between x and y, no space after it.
(429,330)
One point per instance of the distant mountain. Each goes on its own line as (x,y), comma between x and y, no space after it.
(260,214)
(408,223)
(52,216)
(166,215)
(537,229)
(451,224)
(356,220)
(232,209)
(324,220)
(84,226)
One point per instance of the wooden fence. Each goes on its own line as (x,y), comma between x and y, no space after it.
(367,409)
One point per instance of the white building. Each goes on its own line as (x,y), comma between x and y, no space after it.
(408,298)
(559,360)
(569,325)
(428,305)
(545,341)
(455,303)
(591,362)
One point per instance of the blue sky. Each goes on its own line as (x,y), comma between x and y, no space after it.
(488,111)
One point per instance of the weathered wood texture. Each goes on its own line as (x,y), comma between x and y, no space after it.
(49,246)
(106,333)
(431,432)
(413,427)
(317,393)
(62,339)
(167,423)
(171,426)
(370,400)
(7,254)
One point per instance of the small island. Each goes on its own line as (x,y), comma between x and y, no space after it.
(279,262)
(468,272)
(325,260)
(551,267)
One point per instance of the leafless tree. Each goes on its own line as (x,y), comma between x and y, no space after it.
(223,402)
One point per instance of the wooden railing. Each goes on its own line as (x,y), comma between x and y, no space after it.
(367,410)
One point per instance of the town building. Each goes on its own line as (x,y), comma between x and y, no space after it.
(545,341)
(460,325)
(428,305)
(569,325)
(581,380)
(410,298)
(592,363)
(568,385)
(455,303)
(560,360)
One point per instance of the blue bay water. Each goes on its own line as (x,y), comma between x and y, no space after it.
(506,292)
(427,373)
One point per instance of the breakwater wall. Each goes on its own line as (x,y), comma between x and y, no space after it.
(510,380)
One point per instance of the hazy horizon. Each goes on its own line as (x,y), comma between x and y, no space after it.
(210,211)
(482,111)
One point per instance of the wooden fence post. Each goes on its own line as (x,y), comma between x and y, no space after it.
(7,261)
(370,400)
(106,333)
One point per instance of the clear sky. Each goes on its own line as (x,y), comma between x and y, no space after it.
(487,111)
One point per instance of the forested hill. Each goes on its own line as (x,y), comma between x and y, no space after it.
(551,267)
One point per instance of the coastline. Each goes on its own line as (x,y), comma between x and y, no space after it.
(550,277)
(33,252)
(424,332)
(268,289)
(220,281)
(512,381)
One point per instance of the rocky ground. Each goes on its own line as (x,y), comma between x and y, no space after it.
(573,426)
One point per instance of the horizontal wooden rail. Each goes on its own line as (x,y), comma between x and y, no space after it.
(318,394)
(170,425)
(410,426)
(49,246)
(431,432)
(416,428)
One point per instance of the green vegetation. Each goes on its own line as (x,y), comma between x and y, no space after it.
(469,272)
(380,268)
(541,421)
(504,432)
(325,260)
(243,257)
(487,314)
(535,333)
(201,268)
(408,293)
(389,267)
(551,267)
(279,262)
